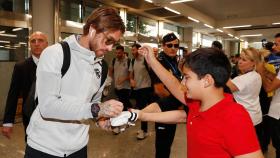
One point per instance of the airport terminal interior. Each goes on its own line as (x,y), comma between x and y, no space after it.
(236,24)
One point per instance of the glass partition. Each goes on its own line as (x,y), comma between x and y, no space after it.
(71,10)
(14,32)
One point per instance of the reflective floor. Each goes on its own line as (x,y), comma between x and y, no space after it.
(106,145)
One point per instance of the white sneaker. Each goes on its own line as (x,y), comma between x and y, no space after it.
(141,135)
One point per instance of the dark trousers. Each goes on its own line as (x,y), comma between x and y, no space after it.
(274,126)
(260,134)
(164,138)
(123,95)
(143,98)
(25,121)
(263,133)
(33,153)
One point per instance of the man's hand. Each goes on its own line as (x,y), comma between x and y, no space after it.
(125,118)
(104,123)
(7,131)
(110,108)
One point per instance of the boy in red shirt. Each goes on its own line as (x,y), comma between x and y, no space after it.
(217,127)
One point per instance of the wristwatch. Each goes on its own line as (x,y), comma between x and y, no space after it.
(95,110)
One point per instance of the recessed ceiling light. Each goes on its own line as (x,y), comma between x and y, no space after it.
(231,27)
(219,30)
(208,26)
(4,41)
(254,35)
(230,35)
(180,1)
(174,11)
(193,19)
(23,43)
(149,1)
(7,35)
(276,23)
(74,24)
(17,29)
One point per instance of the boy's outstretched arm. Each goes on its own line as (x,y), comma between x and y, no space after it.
(174,116)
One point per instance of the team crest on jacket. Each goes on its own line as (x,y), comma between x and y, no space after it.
(97,72)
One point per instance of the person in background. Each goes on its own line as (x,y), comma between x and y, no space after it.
(23,76)
(140,81)
(247,86)
(59,126)
(271,84)
(168,58)
(120,75)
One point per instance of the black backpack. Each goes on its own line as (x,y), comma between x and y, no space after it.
(114,60)
(145,63)
(32,102)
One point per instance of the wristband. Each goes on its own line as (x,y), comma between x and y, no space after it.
(95,110)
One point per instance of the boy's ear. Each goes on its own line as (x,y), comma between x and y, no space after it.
(208,80)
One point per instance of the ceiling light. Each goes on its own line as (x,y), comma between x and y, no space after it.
(17,29)
(231,27)
(74,24)
(242,40)
(9,48)
(1,46)
(276,23)
(28,15)
(254,35)
(208,26)
(219,30)
(23,43)
(2,32)
(230,35)
(4,41)
(7,35)
(150,1)
(193,19)
(236,37)
(180,1)
(174,11)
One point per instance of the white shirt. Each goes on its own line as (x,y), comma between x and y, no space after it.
(35,59)
(274,110)
(53,126)
(249,86)
(141,75)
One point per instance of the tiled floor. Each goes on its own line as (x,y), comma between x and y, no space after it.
(106,145)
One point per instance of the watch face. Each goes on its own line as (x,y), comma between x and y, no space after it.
(95,109)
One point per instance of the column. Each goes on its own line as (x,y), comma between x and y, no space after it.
(43,18)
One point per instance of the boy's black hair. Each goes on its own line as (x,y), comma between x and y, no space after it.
(136,45)
(277,35)
(120,47)
(211,61)
(217,44)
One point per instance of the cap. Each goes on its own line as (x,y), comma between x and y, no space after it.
(169,37)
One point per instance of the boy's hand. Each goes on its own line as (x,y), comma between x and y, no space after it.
(148,53)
